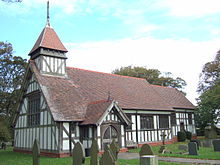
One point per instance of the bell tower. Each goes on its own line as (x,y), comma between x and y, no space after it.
(48,52)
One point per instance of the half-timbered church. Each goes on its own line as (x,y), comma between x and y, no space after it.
(62,105)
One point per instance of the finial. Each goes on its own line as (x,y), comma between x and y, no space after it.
(48,14)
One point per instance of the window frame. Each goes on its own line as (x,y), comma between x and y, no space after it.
(33,112)
(147,122)
(163,121)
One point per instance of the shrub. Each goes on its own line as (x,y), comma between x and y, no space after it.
(188,135)
(181,136)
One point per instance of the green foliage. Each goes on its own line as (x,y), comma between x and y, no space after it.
(153,76)
(181,136)
(188,135)
(209,89)
(12,69)
(4,131)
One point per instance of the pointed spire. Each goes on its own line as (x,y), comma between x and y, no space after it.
(48,13)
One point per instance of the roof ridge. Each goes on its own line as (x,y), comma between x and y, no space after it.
(112,74)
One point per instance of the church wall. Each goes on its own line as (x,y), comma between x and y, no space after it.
(136,135)
(45,131)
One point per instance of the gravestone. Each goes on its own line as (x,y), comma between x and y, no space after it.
(78,154)
(4,146)
(192,148)
(94,153)
(183,147)
(210,131)
(114,149)
(197,142)
(216,145)
(107,157)
(149,160)
(207,143)
(146,150)
(36,153)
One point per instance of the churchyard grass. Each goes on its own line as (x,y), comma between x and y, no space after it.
(204,152)
(8,157)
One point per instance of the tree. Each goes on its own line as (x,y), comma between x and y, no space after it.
(12,69)
(209,90)
(153,76)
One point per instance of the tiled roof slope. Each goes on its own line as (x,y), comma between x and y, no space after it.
(129,92)
(64,98)
(95,110)
(175,98)
(69,97)
(48,39)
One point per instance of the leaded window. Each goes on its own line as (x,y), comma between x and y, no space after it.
(163,121)
(173,118)
(129,127)
(33,118)
(190,118)
(147,122)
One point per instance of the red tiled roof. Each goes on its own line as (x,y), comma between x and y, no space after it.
(69,98)
(95,111)
(48,39)
(175,98)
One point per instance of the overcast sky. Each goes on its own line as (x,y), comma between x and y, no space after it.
(177,36)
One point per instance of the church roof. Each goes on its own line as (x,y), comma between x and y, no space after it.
(175,98)
(48,39)
(70,97)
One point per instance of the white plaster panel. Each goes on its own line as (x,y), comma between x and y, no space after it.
(155,121)
(134,136)
(98,131)
(123,142)
(49,118)
(134,122)
(45,138)
(65,144)
(122,129)
(138,122)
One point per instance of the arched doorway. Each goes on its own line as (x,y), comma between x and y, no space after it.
(110,134)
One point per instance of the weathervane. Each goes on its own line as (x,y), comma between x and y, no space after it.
(48,14)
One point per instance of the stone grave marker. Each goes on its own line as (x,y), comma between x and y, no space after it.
(107,157)
(36,153)
(149,160)
(207,143)
(192,148)
(216,145)
(183,147)
(146,150)
(78,154)
(197,142)
(114,149)
(94,153)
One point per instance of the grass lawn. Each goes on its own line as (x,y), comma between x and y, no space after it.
(8,157)
(204,152)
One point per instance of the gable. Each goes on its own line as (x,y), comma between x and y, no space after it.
(102,111)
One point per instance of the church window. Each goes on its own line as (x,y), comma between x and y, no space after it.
(190,118)
(163,121)
(147,122)
(33,118)
(173,118)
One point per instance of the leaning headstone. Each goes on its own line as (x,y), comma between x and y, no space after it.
(36,153)
(107,157)
(94,153)
(149,160)
(216,145)
(192,148)
(115,149)
(183,147)
(78,154)
(146,150)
